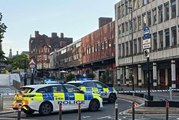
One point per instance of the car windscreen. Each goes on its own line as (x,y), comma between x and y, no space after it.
(26,90)
(75,84)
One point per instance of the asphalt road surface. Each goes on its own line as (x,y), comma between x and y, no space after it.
(106,113)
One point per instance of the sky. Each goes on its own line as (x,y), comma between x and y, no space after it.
(74,18)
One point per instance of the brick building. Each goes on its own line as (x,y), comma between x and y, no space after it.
(94,52)
(41,46)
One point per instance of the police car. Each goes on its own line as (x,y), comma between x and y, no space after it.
(95,86)
(45,98)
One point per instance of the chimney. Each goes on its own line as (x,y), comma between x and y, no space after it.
(62,35)
(36,33)
(54,35)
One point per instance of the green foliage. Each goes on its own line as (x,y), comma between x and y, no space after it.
(69,77)
(4,71)
(91,75)
(105,77)
(20,61)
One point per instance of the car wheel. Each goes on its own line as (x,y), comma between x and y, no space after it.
(29,112)
(45,108)
(94,105)
(112,98)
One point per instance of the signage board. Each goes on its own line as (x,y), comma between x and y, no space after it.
(146,38)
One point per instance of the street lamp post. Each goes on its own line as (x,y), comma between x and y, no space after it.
(131,75)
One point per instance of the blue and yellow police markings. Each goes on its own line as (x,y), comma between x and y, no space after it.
(70,102)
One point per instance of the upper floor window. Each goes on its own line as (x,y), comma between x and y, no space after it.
(174,36)
(122,27)
(119,49)
(139,45)
(154,11)
(167,38)
(144,20)
(139,23)
(160,14)
(127,49)
(126,26)
(155,41)
(173,8)
(145,2)
(149,18)
(166,12)
(161,39)
(135,46)
(123,49)
(119,12)
(135,24)
(126,9)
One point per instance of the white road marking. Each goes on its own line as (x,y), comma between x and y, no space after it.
(108,117)
(86,117)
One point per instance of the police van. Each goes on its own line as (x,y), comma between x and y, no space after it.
(95,86)
(45,98)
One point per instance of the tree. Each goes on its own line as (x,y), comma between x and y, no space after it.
(20,61)
(91,75)
(2,31)
(105,77)
(69,77)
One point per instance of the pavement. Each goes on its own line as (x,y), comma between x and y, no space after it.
(157,96)
(139,102)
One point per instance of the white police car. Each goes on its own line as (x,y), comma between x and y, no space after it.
(45,98)
(95,86)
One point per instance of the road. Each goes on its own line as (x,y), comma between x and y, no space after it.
(106,113)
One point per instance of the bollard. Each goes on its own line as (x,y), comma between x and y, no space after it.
(19,112)
(79,112)
(60,111)
(170,92)
(116,111)
(133,110)
(1,102)
(167,109)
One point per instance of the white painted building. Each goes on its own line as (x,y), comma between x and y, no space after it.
(162,17)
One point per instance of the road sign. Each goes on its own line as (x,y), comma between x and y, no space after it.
(146,38)
(147,43)
(146,30)
(32,63)
(146,52)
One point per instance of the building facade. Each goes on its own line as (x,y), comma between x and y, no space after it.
(93,53)
(162,17)
(41,46)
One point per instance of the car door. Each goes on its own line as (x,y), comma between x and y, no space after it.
(102,88)
(58,92)
(73,96)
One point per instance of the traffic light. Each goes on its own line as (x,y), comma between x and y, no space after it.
(146,52)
